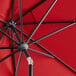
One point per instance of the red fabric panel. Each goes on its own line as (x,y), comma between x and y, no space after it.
(61,44)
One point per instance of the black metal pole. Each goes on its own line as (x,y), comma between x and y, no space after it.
(30,63)
(30,70)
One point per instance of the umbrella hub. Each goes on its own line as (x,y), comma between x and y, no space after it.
(23,46)
(11,24)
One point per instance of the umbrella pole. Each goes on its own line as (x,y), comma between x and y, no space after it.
(30,63)
(30,70)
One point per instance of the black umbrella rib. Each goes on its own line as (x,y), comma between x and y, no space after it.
(52,33)
(45,22)
(3,27)
(3,34)
(33,17)
(8,47)
(31,9)
(40,53)
(4,31)
(8,36)
(34,21)
(19,60)
(13,2)
(40,22)
(8,55)
(21,23)
(3,21)
(16,35)
(13,57)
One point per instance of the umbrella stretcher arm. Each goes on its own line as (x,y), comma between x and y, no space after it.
(8,56)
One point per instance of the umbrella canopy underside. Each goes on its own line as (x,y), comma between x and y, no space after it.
(54,37)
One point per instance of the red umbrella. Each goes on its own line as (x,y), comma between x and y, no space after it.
(43,27)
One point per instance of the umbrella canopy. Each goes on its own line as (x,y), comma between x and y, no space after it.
(38,36)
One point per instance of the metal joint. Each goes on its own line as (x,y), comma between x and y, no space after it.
(30,61)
